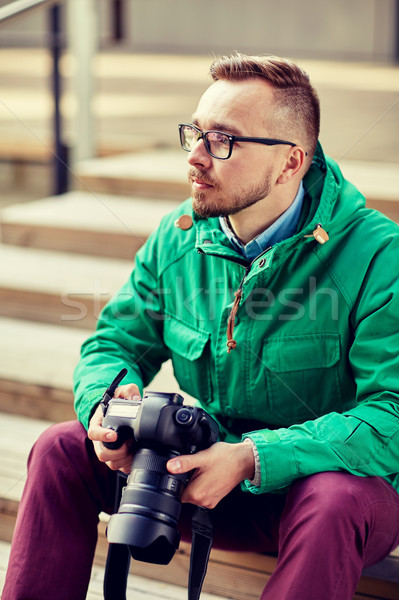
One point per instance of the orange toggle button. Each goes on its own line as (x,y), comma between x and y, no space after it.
(184,222)
(320,235)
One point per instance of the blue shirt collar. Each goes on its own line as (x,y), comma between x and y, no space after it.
(285,226)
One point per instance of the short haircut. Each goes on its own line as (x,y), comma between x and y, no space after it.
(296,101)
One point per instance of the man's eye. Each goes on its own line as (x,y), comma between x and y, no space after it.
(219,138)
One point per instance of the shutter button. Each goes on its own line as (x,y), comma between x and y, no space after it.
(184,222)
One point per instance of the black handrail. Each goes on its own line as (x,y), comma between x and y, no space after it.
(18,7)
(396,55)
(15,9)
(60,158)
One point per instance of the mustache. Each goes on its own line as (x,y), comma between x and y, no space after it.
(196,174)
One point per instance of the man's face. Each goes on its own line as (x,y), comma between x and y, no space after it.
(226,187)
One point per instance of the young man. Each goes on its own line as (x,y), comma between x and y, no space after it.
(275,293)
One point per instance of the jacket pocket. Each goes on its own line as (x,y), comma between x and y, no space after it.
(302,377)
(190,363)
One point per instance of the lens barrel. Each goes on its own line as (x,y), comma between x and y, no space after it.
(149,510)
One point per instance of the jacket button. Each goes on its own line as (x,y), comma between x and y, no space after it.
(184,222)
(262,262)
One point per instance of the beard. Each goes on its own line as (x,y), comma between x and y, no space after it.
(210,203)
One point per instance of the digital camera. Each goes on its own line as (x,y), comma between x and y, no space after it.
(159,427)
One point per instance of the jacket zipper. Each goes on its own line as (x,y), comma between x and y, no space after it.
(231,342)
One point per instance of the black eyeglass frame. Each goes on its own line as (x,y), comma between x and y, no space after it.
(232,138)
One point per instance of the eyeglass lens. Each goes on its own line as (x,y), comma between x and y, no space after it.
(218,144)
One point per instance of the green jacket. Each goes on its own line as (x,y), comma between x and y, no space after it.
(314,378)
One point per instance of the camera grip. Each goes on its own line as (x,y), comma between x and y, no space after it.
(124,433)
(113,445)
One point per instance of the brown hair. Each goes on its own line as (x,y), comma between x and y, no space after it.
(296,101)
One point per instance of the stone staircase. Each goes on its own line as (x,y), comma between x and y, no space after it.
(61,259)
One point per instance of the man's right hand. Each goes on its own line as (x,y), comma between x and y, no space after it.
(120,459)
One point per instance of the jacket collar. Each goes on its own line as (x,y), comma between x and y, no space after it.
(321,182)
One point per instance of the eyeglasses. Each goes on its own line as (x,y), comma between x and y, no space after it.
(219,144)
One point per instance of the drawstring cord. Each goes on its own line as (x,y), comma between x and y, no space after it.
(319,234)
(231,343)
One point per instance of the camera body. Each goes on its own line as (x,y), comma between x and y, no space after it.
(159,428)
(160,421)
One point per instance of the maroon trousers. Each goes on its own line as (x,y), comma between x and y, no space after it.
(325,530)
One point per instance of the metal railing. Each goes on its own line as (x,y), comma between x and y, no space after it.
(14,10)
(18,7)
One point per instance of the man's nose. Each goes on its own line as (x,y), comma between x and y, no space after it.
(199,155)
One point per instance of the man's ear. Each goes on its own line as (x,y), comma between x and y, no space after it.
(294,164)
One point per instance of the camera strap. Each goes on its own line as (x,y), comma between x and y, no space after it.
(118,557)
(202,538)
(116,572)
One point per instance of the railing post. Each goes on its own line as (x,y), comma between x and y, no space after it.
(396,49)
(82,44)
(60,148)
(118,26)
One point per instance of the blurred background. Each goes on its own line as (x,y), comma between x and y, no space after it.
(129,70)
(91,92)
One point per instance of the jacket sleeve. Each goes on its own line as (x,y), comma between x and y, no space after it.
(364,440)
(128,334)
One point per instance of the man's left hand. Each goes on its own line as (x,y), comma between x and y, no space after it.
(217,470)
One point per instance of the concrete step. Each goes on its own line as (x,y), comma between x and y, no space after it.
(37,367)
(57,287)
(21,147)
(158,174)
(84,223)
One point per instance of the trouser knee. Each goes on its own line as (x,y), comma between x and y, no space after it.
(55,443)
(63,463)
(324,498)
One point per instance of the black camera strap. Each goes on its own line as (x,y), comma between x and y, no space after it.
(118,557)
(200,549)
(116,572)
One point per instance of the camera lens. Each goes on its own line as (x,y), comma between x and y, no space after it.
(184,416)
(149,510)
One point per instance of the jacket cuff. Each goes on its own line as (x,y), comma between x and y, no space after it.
(278,464)
(87,406)
(256,479)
